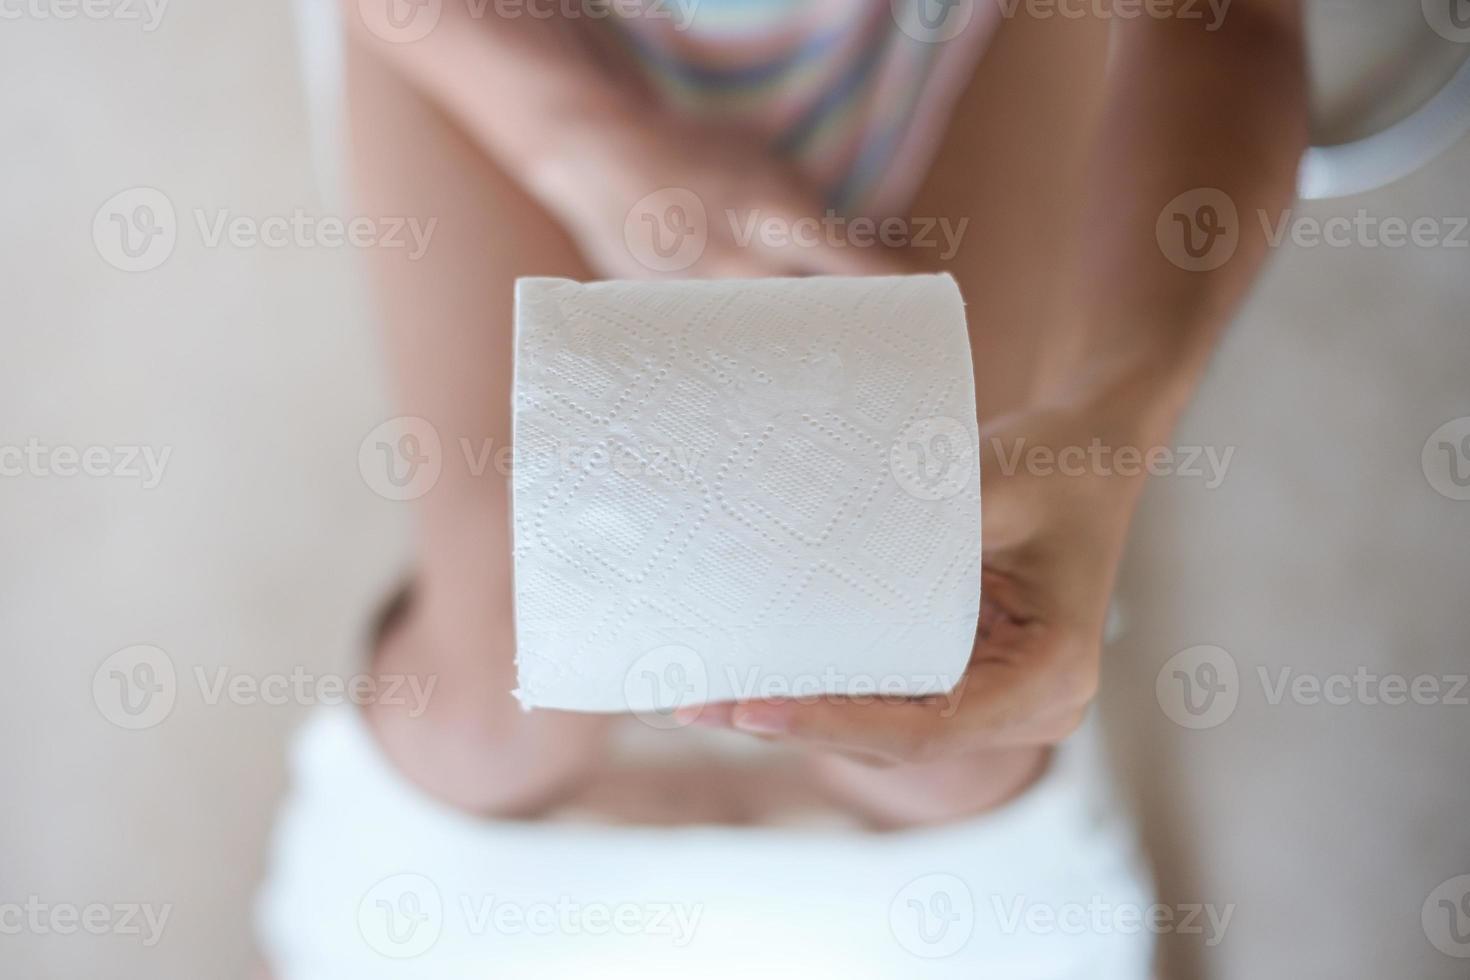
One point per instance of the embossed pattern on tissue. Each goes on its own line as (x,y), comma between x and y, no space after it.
(786,396)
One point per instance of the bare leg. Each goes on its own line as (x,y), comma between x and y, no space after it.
(1013,164)
(448,317)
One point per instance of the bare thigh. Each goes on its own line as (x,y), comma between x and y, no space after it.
(1012,165)
(447,318)
(1013,170)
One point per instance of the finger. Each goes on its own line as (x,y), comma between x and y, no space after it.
(819,244)
(1033,694)
(888,730)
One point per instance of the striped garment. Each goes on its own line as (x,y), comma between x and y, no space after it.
(855,92)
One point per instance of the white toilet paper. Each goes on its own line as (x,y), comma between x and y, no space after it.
(738,489)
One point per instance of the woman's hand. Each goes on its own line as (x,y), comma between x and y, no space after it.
(668,198)
(1053,535)
(611,165)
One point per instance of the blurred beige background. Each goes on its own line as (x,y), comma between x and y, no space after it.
(1326,550)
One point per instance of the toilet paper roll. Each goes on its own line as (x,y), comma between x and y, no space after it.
(738,489)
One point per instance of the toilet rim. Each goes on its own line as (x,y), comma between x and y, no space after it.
(1393,153)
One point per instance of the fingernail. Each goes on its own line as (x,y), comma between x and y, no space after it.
(762,719)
